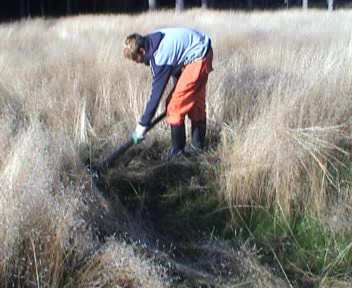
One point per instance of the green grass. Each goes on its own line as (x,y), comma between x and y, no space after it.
(301,248)
(298,248)
(197,212)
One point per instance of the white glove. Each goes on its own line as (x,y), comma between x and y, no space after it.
(138,134)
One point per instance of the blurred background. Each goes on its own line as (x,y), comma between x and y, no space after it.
(15,9)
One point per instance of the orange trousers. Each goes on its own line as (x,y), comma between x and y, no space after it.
(188,98)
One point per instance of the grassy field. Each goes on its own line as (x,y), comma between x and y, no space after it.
(268,204)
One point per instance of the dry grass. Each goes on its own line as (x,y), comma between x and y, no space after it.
(117,265)
(289,111)
(281,93)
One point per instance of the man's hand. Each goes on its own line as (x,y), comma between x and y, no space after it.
(138,134)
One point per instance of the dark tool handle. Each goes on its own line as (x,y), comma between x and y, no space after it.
(124,147)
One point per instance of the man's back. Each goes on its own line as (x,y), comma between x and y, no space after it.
(181,46)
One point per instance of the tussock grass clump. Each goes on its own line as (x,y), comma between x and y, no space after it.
(38,212)
(47,222)
(288,120)
(117,265)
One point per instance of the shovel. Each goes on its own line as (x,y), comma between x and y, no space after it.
(102,166)
(97,169)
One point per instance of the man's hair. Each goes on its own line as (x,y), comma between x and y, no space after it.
(133,43)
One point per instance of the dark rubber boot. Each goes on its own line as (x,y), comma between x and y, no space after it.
(178,139)
(198,134)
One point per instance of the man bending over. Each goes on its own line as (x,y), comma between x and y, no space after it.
(186,55)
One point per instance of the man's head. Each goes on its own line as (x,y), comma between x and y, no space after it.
(134,48)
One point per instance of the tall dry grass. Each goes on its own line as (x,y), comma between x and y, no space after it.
(289,113)
(281,93)
(47,221)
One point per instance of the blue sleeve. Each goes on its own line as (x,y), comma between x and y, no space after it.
(161,75)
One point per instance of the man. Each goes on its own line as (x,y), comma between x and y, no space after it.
(186,55)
